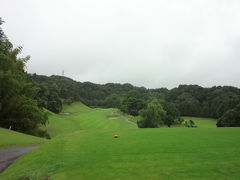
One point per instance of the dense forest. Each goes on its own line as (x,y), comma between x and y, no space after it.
(185,100)
(24,97)
(190,100)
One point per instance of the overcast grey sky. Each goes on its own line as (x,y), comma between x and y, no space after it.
(151,43)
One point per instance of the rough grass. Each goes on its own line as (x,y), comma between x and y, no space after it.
(9,138)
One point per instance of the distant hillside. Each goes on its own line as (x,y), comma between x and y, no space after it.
(191,100)
(54,88)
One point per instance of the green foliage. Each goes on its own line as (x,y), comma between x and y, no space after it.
(68,90)
(153,116)
(193,100)
(190,100)
(112,100)
(164,113)
(231,118)
(188,105)
(201,122)
(172,114)
(132,103)
(17,107)
(190,123)
(48,95)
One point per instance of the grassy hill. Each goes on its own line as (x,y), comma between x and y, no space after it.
(9,138)
(77,117)
(84,148)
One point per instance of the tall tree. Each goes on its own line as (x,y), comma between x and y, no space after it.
(153,116)
(18,110)
(172,113)
(231,118)
(132,103)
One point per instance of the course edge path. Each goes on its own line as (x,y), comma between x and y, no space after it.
(8,156)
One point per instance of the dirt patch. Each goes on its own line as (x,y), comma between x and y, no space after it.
(65,113)
(112,118)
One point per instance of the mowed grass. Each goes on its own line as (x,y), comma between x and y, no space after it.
(202,122)
(164,153)
(77,117)
(9,138)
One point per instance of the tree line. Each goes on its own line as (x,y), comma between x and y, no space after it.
(187,100)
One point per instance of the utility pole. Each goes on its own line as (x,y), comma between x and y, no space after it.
(62,72)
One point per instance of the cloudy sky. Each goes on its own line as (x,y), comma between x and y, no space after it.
(151,43)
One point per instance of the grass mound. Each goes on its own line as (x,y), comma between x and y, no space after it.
(9,138)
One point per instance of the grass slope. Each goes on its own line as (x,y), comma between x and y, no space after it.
(12,138)
(77,116)
(75,107)
(174,153)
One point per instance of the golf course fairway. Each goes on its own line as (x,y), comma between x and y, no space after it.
(84,147)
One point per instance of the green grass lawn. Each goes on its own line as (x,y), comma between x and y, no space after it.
(84,148)
(77,117)
(164,153)
(9,138)
(202,122)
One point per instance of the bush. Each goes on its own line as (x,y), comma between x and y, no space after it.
(231,118)
(153,116)
(190,124)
